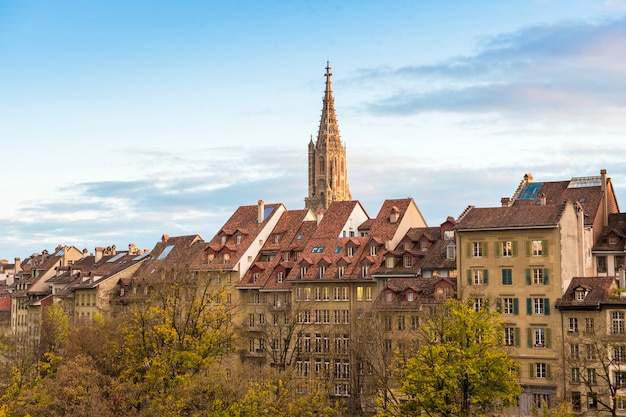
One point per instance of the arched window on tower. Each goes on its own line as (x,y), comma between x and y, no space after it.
(322,164)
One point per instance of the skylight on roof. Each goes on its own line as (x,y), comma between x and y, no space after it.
(140,257)
(530,191)
(300,236)
(580,182)
(165,252)
(116,257)
(267,211)
(338,249)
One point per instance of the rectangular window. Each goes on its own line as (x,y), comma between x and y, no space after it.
(592,377)
(509,305)
(538,306)
(317,293)
(574,351)
(368,293)
(575,375)
(619,379)
(408,261)
(364,269)
(588,325)
(346,316)
(477,249)
(540,336)
(325,294)
(326,316)
(507,248)
(336,296)
(281,276)
(451,252)
(477,276)
(373,250)
(618,261)
(538,276)
(478,304)
(592,400)
(388,323)
(573,325)
(541,370)
(507,276)
(341,270)
(345,292)
(591,352)
(337,316)
(537,248)
(617,322)
(359,293)
(576,402)
(618,353)
(541,401)
(307,294)
(415,323)
(601,264)
(400,323)
(390,262)
(509,336)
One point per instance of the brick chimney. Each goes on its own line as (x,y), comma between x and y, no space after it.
(505,201)
(99,253)
(260,215)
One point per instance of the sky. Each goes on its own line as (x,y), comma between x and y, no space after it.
(122,121)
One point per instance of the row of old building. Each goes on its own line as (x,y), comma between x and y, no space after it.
(550,259)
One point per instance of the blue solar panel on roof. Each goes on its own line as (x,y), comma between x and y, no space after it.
(140,257)
(116,257)
(530,191)
(267,212)
(165,252)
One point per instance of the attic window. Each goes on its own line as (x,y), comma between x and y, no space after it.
(238,239)
(580,294)
(410,296)
(338,249)
(424,245)
(373,250)
(223,239)
(165,252)
(407,245)
(350,251)
(448,234)
(276,238)
(300,236)
(613,240)
(390,262)
(389,296)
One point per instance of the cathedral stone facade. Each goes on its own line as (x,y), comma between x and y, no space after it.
(328,174)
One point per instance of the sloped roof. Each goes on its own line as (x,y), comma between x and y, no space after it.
(616,227)
(598,290)
(511,217)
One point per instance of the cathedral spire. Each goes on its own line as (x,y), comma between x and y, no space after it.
(328,176)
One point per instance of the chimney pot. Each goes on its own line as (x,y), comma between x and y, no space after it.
(261,211)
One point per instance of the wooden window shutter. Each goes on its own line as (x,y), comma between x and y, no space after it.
(546,276)
(518,336)
(529,306)
(485,276)
(528,276)
(515,306)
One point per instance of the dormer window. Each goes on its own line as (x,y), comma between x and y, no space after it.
(424,245)
(322,271)
(364,269)
(255,277)
(276,238)
(408,261)
(389,296)
(350,250)
(238,239)
(303,270)
(580,294)
(341,270)
(613,240)
(223,239)
(373,250)
(451,252)
(407,245)
(410,296)
(448,234)
(280,276)
(390,262)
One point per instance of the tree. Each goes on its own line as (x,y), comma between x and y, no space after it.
(595,361)
(460,367)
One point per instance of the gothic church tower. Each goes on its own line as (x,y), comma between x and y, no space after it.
(328,175)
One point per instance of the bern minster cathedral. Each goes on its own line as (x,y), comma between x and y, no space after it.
(328,175)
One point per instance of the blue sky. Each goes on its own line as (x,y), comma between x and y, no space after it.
(121,121)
